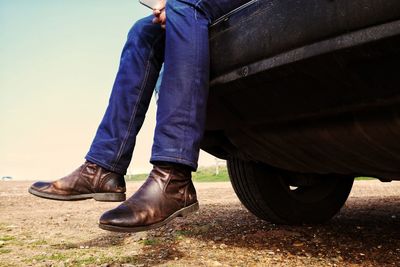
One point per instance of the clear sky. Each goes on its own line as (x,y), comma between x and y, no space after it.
(58,61)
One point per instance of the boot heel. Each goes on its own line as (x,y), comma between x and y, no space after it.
(192,208)
(109,197)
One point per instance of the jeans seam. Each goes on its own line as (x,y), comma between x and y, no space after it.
(132,118)
(193,85)
(196,6)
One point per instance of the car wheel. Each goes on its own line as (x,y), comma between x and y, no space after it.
(288,198)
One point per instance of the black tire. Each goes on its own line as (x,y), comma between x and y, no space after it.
(269,194)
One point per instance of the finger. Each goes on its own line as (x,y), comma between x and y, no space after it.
(163,17)
(156,20)
(156,12)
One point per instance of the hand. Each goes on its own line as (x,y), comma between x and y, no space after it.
(159,14)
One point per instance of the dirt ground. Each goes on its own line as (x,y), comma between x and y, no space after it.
(38,232)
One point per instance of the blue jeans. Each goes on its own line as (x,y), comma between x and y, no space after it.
(181,113)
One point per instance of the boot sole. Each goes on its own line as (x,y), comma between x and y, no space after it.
(180,213)
(102,197)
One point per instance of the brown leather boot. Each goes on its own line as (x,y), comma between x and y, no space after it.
(167,193)
(88,181)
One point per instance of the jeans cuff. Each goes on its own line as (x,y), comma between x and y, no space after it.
(106,165)
(191,164)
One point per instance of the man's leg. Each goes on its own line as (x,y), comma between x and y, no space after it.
(140,65)
(101,177)
(183,94)
(184,88)
(169,191)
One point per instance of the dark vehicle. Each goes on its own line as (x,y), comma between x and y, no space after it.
(305,96)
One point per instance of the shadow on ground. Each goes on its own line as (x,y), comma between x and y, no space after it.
(366,231)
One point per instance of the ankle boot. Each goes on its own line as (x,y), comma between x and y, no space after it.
(88,181)
(167,193)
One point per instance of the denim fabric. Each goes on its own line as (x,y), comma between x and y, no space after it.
(181,114)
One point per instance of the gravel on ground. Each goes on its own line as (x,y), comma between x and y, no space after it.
(39,232)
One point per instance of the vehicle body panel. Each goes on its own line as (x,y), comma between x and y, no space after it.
(308,86)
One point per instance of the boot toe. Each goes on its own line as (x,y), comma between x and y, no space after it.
(40,186)
(121,216)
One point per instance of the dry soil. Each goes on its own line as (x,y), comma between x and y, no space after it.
(38,232)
